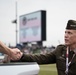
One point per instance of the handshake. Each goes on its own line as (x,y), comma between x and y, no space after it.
(14,54)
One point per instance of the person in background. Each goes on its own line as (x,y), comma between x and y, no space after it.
(64,55)
(14,54)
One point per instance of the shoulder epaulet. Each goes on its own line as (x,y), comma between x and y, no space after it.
(61,45)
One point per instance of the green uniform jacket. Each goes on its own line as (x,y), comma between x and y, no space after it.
(58,56)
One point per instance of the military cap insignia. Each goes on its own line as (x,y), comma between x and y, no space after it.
(71,25)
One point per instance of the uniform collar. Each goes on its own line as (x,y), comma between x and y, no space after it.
(74,50)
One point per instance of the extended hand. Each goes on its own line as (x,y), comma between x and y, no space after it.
(16,54)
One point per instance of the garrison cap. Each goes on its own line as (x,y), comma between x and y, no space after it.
(71,25)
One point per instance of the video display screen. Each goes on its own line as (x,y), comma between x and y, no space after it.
(31,27)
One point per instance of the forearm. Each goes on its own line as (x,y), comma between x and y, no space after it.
(4,49)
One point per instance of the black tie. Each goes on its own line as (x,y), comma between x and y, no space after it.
(71,55)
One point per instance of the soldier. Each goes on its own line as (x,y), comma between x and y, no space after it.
(64,55)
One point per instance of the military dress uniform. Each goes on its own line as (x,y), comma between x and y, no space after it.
(58,56)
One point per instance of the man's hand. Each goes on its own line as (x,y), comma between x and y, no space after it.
(15,54)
